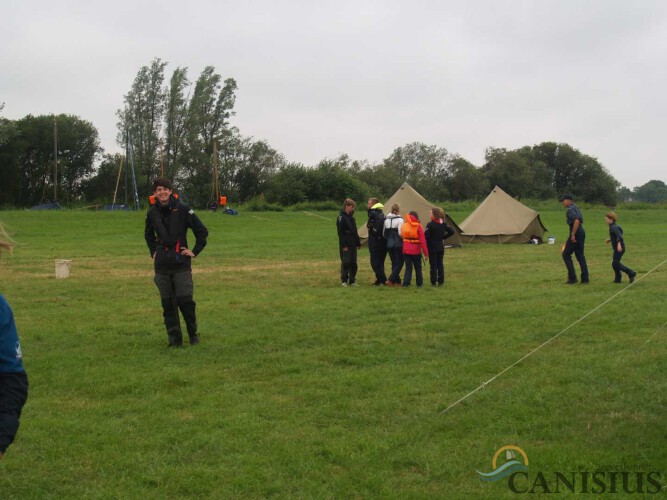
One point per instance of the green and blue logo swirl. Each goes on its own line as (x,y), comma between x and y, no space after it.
(510,467)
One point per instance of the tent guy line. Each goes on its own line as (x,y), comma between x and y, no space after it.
(484,384)
(651,337)
(320,216)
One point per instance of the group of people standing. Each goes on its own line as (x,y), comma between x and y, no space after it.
(401,237)
(405,241)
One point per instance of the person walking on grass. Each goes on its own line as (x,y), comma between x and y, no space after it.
(436,232)
(575,242)
(348,243)
(167,224)
(414,244)
(618,248)
(13,378)
(377,245)
(392,235)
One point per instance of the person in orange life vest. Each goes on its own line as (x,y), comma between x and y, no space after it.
(414,243)
(436,233)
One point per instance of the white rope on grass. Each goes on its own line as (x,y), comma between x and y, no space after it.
(651,337)
(484,384)
(316,215)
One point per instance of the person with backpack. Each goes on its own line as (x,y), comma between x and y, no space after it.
(618,248)
(392,234)
(348,243)
(436,232)
(414,243)
(377,245)
(167,224)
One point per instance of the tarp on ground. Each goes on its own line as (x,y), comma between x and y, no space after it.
(410,201)
(47,206)
(502,219)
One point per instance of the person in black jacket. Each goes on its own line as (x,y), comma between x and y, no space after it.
(377,245)
(348,243)
(13,378)
(618,247)
(437,231)
(167,223)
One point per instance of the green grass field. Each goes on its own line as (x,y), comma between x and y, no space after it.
(302,388)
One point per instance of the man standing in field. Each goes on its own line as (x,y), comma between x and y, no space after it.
(377,245)
(167,223)
(348,242)
(13,378)
(575,242)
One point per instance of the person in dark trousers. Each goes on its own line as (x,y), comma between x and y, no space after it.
(392,235)
(436,232)
(348,243)
(414,244)
(13,378)
(167,224)
(618,247)
(377,245)
(575,243)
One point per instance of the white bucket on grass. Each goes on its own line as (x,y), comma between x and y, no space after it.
(62,268)
(551,240)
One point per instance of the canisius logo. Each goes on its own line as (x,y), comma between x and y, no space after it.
(616,479)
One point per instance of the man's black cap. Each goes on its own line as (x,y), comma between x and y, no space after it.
(566,197)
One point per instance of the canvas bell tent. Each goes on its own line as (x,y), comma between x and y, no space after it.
(502,219)
(409,201)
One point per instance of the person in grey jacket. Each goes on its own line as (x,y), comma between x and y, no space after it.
(392,234)
(618,248)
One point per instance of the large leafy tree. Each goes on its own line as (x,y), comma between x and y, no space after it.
(576,173)
(425,167)
(141,120)
(652,192)
(466,182)
(172,127)
(176,128)
(100,187)
(27,162)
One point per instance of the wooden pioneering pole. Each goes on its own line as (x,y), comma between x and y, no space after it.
(120,168)
(55,162)
(215,170)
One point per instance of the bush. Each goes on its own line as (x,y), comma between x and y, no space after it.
(317,206)
(259,204)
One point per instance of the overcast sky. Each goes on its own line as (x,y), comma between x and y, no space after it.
(320,78)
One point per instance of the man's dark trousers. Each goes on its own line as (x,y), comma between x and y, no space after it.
(378,251)
(577,249)
(176,291)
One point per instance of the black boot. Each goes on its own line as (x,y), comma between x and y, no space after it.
(187,307)
(172,323)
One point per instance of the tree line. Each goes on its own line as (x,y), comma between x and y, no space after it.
(180,129)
